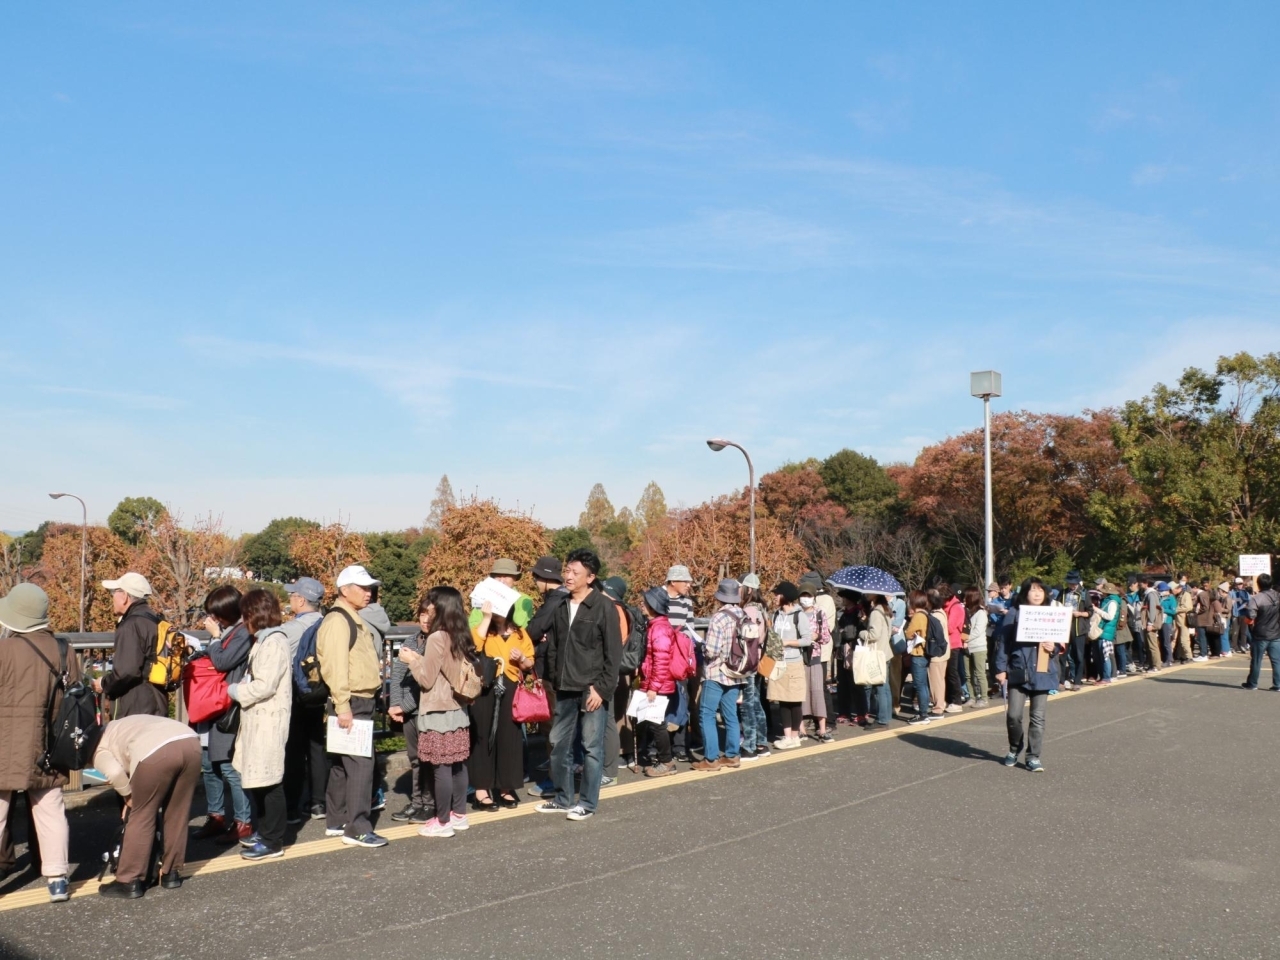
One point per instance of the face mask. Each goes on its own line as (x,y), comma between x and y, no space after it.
(806,602)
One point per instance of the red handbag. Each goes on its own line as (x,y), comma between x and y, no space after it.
(529,705)
(204,688)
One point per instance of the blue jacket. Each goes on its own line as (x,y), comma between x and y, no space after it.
(1018,660)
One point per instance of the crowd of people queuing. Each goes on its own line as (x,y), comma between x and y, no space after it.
(769,670)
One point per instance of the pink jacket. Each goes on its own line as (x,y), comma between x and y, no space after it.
(954,610)
(655,672)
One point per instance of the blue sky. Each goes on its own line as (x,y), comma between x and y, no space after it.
(264,260)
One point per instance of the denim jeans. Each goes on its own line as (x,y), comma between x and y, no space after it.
(1260,649)
(716,696)
(569,714)
(920,678)
(1122,657)
(1202,641)
(215,793)
(884,702)
(755,730)
(1033,739)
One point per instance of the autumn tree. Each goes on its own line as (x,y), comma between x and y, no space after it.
(266,555)
(651,510)
(475,533)
(1048,471)
(323,552)
(598,512)
(713,541)
(59,575)
(133,517)
(183,565)
(442,502)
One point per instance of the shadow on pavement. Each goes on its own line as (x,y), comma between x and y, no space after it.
(1198,683)
(953,748)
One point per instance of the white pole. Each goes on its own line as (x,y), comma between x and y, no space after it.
(986,459)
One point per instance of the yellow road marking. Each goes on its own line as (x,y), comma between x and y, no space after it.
(37,895)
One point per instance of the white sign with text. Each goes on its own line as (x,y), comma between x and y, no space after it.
(1255,564)
(1044,624)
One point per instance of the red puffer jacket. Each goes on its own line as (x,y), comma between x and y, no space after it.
(655,672)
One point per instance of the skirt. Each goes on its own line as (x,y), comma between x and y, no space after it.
(444,738)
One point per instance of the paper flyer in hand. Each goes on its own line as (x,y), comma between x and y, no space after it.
(500,595)
(1044,624)
(356,742)
(642,709)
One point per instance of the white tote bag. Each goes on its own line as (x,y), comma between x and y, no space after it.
(868,666)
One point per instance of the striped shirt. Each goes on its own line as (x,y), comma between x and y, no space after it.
(679,611)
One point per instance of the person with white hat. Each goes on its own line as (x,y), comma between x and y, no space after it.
(127,684)
(31,691)
(349,667)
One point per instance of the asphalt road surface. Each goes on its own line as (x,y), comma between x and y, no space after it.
(1146,837)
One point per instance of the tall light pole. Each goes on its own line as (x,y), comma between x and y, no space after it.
(987,384)
(84,546)
(717,445)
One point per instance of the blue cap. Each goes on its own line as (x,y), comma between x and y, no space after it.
(307,588)
(1162,587)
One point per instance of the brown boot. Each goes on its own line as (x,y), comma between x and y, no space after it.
(729,763)
(705,765)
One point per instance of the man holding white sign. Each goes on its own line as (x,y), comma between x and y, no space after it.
(1034,634)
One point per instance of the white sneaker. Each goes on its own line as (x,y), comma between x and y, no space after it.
(579,813)
(334,831)
(1199,659)
(433,828)
(954,708)
(459,821)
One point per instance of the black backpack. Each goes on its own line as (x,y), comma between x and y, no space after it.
(73,735)
(936,642)
(634,650)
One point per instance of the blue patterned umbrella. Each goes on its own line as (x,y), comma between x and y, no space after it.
(866,580)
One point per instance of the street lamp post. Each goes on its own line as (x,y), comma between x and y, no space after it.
(717,445)
(987,384)
(84,546)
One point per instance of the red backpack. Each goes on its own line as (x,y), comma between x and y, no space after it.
(683,662)
(204,688)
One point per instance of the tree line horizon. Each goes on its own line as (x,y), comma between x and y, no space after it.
(1185,480)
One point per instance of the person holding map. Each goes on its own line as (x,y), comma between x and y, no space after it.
(1029,668)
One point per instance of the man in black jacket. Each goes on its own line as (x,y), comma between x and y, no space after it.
(584,649)
(127,684)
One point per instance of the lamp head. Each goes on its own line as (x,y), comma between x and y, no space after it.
(56,496)
(717,445)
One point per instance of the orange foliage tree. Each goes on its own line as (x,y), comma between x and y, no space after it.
(324,551)
(475,533)
(59,575)
(1046,470)
(184,565)
(713,540)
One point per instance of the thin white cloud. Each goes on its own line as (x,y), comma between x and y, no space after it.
(132,401)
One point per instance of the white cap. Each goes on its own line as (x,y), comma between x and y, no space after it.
(134,584)
(357,575)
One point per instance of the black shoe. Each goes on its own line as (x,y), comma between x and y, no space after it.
(171,880)
(508,803)
(483,805)
(122,891)
(298,817)
(405,813)
(423,815)
(317,811)
(1248,686)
